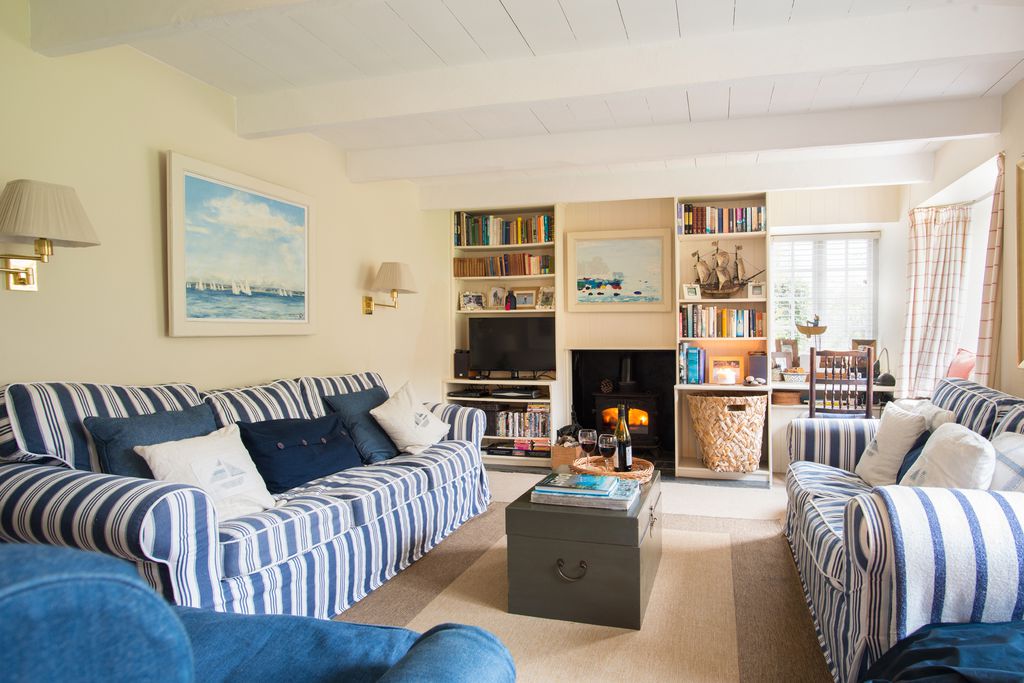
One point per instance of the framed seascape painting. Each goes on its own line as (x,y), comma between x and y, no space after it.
(620,270)
(239,254)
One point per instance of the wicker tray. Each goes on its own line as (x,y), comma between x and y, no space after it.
(642,471)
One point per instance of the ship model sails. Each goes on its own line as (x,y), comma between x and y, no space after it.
(721,274)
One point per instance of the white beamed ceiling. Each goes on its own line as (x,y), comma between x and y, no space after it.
(456,94)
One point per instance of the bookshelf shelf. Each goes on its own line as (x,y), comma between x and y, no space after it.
(735,300)
(505,247)
(762,389)
(491,399)
(545,276)
(705,237)
(719,339)
(498,311)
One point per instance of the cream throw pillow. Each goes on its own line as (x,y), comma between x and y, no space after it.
(218,464)
(410,425)
(954,458)
(935,415)
(896,435)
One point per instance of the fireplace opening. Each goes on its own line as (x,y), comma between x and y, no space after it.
(638,420)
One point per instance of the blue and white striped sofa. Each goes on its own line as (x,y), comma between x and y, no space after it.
(877,564)
(323,547)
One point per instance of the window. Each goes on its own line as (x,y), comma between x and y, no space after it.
(833,276)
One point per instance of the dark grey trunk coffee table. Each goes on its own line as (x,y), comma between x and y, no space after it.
(582,564)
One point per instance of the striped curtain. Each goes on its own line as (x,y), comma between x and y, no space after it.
(936,279)
(987,371)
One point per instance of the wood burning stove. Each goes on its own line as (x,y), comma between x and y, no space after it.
(642,414)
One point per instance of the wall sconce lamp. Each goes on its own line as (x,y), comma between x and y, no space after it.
(43,213)
(392,277)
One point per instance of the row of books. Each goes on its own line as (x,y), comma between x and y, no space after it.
(692,363)
(714,220)
(699,320)
(534,422)
(504,265)
(483,231)
(586,490)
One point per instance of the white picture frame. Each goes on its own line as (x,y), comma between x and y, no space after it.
(472,301)
(691,292)
(643,259)
(757,290)
(496,298)
(225,277)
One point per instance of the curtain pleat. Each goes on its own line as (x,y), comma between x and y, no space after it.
(987,371)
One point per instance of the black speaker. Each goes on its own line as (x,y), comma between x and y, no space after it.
(461,363)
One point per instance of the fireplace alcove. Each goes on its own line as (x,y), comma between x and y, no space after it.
(643,380)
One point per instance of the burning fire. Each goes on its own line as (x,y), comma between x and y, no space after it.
(637,417)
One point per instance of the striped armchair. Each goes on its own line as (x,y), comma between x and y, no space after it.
(323,547)
(878,564)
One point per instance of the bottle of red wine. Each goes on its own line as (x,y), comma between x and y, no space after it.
(624,458)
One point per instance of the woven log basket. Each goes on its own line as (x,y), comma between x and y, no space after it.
(730,430)
(642,471)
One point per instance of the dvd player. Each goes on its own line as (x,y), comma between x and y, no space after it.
(513,392)
(467,393)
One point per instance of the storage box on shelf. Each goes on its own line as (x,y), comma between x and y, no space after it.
(720,327)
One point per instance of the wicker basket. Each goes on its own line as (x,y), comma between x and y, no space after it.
(642,470)
(729,430)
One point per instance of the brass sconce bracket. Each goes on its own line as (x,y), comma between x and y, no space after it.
(369,304)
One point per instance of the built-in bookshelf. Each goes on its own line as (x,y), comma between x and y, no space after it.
(728,330)
(497,254)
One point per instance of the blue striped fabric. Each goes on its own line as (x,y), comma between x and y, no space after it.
(1013,422)
(976,407)
(838,443)
(315,388)
(468,424)
(441,462)
(9,451)
(274,401)
(166,529)
(46,417)
(295,526)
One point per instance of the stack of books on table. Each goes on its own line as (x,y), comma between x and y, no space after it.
(587,491)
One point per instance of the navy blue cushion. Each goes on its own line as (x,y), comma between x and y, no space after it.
(373,442)
(912,455)
(290,452)
(116,437)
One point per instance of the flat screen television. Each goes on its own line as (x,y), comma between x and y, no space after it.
(513,344)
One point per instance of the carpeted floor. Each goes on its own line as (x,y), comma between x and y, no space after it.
(726,606)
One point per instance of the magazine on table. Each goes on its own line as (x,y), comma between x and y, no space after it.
(620,498)
(576,484)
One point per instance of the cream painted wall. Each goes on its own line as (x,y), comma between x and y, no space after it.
(101,122)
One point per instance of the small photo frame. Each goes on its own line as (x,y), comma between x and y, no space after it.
(756,290)
(496,298)
(691,292)
(546,298)
(471,301)
(526,297)
(725,369)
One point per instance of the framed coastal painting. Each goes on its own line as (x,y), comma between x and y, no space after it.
(238,254)
(620,271)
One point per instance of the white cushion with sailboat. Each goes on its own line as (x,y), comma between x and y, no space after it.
(408,422)
(218,464)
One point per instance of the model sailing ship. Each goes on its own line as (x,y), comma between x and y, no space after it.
(721,274)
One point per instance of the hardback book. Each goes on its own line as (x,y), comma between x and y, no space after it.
(620,498)
(576,484)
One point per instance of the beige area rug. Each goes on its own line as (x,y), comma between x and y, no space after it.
(726,606)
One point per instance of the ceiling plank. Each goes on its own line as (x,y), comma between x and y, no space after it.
(856,44)
(491,27)
(934,120)
(649,20)
(434,23)
(535,189)
(543,24)
(595,23)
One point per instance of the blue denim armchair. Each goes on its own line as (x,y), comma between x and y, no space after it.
(73,615)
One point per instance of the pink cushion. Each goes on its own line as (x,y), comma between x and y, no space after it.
(962,365)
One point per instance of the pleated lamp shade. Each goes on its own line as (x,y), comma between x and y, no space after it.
(31,210)
(394,276)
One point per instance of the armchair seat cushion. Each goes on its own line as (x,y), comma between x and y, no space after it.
(823,482)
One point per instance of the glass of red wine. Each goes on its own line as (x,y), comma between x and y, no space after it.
(588,441)
(607,445)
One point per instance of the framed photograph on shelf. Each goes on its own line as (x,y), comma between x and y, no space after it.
(546,299)
(620,271)
(691,292)
(496,298)
(526,297)
(756,290)
(238,253)
(725,369)
(471,301)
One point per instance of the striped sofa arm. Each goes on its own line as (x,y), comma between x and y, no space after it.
(838,443)
(917,556)
(467,424)
(168,530)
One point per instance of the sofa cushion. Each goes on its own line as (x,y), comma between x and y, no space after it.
(824,481)
(1012,423)
(373,442)
(115,438)
(315,389)
(896,435)
(46,417)
(408,423)
(290,528)
(976,407)
(369,491)
(443,462)
(954,457)
(9,451)
(290,453)
(275,401)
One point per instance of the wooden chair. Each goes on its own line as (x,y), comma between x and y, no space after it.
(844,383)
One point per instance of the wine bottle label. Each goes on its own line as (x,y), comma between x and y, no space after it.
(629,455)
